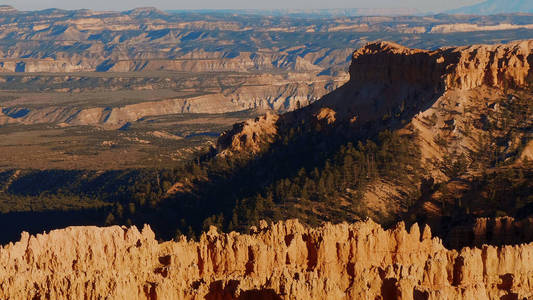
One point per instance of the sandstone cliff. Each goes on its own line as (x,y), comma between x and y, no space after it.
(389,82)
(276,261)
(419,77)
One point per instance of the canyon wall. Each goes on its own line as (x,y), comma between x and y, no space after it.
(275,261)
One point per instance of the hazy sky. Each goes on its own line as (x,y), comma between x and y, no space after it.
(424,5)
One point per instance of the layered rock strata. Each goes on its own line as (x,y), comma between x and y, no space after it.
(268,93)
(501,66)
(275,261)
(388,80)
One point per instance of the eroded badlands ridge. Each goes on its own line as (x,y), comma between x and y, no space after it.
(277,261)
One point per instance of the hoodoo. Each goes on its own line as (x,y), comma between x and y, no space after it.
(285,260)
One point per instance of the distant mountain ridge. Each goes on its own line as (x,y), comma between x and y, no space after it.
(315,13)
(492,7)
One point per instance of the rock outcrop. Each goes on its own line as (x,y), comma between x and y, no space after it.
(508,66)
(249,136)
(391,81)
(395,68)
(275,261)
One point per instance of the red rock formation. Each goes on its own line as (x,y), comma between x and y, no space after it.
(501,66)
(276,261)
(385,75)
(390,63)
(386,78)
